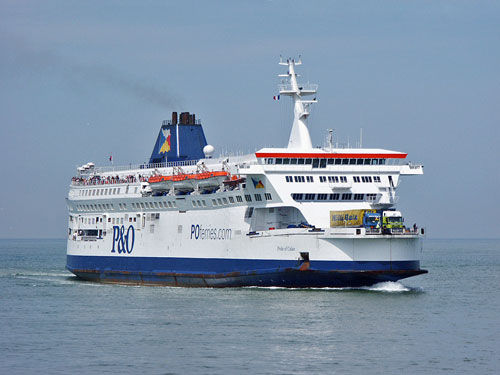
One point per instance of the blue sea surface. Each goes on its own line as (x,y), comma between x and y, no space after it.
(447,321)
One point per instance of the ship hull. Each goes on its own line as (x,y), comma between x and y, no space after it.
(215,248)
(287,274)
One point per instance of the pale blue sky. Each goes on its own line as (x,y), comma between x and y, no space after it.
(82,79)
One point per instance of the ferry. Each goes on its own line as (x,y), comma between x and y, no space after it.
(294,217)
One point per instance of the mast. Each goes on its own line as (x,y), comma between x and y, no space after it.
(299,136)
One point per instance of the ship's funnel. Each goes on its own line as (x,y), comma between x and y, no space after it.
(179,141)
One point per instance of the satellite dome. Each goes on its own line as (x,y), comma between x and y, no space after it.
(208,150)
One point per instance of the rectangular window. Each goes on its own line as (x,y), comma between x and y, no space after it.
(286,161)
(359,162)
(346,196)
(343,179)
(224,200)
(194,204)
(310,179)
(258,197)
(355,178)
(310,197)
(322,179)
(352,161)
(345,161)
(239,199)
(300,161)
(358,197)
(308,161)
(248,212)
(268,197)
(288,178)
(322,197)
(371,197)
(297,197)
(248,197)
(293,161)
(322,163)
(315,163)
(214,202)
(331,161)
(279,161)
(368,161)
(231,200)
(296,178)
(334,197)
(219,201)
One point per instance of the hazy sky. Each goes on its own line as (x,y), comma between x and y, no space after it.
(82,79)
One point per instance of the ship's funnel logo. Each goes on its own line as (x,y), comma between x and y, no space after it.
(165,141)
(257,184)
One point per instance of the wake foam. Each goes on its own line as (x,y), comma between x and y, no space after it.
(384,287)
(388,286)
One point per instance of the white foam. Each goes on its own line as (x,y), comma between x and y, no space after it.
(388,286)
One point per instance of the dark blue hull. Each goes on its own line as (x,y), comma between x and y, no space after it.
(220,273)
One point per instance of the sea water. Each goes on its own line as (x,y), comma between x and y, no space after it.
(447,321)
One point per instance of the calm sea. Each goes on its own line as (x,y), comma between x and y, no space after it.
(445,322)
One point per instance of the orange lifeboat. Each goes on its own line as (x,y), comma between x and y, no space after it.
(188,181)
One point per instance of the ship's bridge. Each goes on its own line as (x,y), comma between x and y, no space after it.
(320,158)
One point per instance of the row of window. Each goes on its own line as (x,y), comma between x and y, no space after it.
(113,220)
(172,204)
(95,207)
(152,205)
(123,206)
(332,179)
(299,178)
(322,163)
(248,198)
(334,197)
(104,191)
(366,178)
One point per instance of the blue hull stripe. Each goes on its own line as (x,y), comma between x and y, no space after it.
(221,266)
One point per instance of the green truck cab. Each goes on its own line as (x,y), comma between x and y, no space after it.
(392,222)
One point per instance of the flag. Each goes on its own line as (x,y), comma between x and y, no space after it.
(110,157)
(276,97)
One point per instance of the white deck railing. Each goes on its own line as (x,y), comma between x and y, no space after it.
(130,167)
